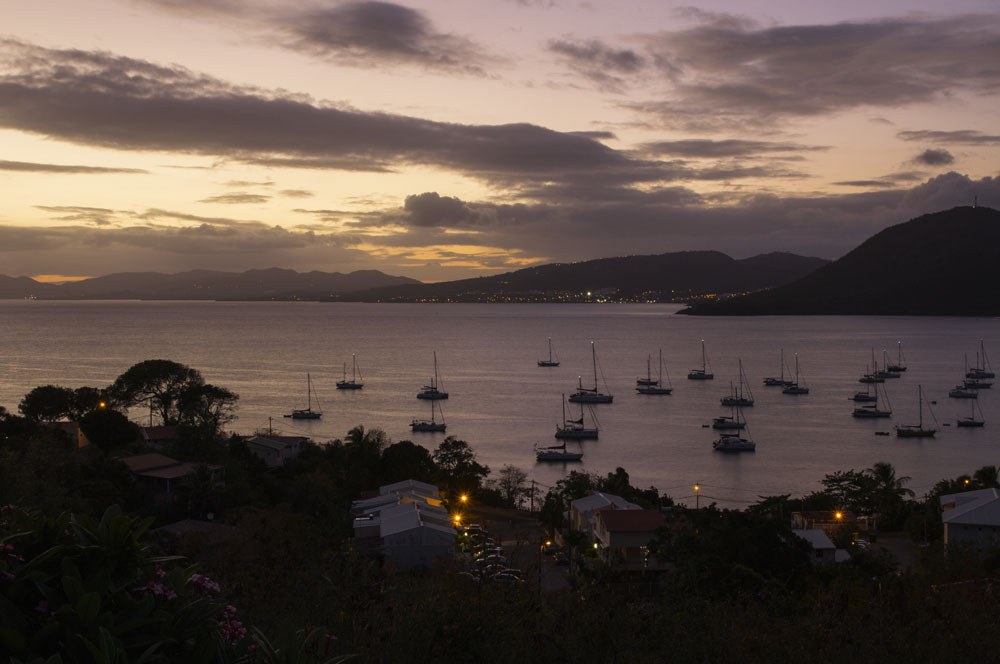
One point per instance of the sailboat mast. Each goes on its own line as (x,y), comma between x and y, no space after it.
(309,394)
(920,406)
(550,350)
(703,363)
(593,353)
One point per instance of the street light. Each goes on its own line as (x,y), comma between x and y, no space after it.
(464,498)
(697,488)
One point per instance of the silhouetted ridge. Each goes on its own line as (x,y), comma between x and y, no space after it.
(945,263)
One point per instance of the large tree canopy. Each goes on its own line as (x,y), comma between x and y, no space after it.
(160,383)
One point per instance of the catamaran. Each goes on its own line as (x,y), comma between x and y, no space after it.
(703,373)
(307,413)
(732,442)
(556,453)
(575,429)
(549,362)
(431,424)
(590,395)
(917,430)
(431,391)
(778,382)
(738,398)
(354,383)
(649,386)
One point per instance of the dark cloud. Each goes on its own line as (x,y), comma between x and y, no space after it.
(369,33)
(959,137)
(237,198)
(296,193)
(864,183)
(604,65)
(932,157)
(98,99)
(731,73)
(248,183)
(90,215)
(30,167)
(706,148)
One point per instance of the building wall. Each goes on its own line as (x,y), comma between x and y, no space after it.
(960,533)
(418,547)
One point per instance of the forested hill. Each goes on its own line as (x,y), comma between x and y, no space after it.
(945,263)
(664,276)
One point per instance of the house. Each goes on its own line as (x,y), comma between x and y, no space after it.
(405,523)
(275,451)
(622,536)
(583,511)
(72,430)
(160,475)
(159,437)
(972,517)
(824,550)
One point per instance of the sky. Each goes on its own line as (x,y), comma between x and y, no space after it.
(443,139)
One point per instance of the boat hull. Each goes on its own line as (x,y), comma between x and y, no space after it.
(795,389)
(559,456)
(431,427)
(304,415)
(914,432)
(590,397)
(698,374)
(735,401)
(970,423)
(547,363)
(871,413)
(576,434)
(725,444)
(723,425)
(427,394)
(654,390)
(349,385)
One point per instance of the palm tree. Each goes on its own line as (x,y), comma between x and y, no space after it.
(888,491)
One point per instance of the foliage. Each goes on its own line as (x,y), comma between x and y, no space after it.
(109,430)
(160,383)
(47,403)
(458,469)
(511,484)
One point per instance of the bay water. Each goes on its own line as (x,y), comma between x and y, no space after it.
(503,404)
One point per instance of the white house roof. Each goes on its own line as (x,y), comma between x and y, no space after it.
(599,501)
(407,519)
(380,504)
(973,508)
(410,485)
(816,537)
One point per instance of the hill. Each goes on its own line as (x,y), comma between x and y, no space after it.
(946,263)
(271,283)
(660,277)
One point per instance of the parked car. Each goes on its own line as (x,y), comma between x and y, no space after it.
(507,578)
(562,558)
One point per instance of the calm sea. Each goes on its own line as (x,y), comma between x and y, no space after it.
(503,404)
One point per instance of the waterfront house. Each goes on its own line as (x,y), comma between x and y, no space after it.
(276,451)
(622,536)
(583,511)
(160,476)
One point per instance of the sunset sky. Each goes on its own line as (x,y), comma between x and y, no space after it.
(448,138)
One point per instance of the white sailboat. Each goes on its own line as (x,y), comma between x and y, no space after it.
(431,391)
(307,413)
(651,386)
(795,387)
(354,383)
(917,430)
(549,362)
(734,421)
(738,398)
(982,368)
(575,429)
(733,442)
(590,395)
(703,373)
(432,424)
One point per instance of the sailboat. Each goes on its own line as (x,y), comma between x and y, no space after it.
(982,368)
(734,442)
(872,410)
(864,397)
(900,364)
(963,392)
(703,373)
(886,372)
(918,430)
(431,424)
(556,453)
(574,429)
(778,382)
(549,362)
(307,413)
(353,383)
(971,420)
(734,421)
(737,398)
(649,386)
(795,388)
(977,377)
(431,391)
(586,394)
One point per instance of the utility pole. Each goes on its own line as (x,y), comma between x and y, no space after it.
(532,496)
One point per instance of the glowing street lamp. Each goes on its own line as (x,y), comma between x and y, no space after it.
(464,498)
(697,488)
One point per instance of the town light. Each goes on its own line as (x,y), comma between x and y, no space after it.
(458,519)
(465,498)
(595,545)
(839,516)
(102,405)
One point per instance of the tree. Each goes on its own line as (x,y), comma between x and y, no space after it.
(161,383)
(85,400)
(206,407)
(109,430)
(457,466)
(987,477)
(511,484)
(47,403)
(406,460)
